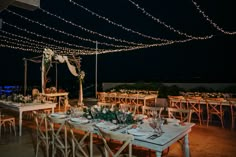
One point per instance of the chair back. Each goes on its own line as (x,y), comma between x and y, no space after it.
(59,135)
(184,115)
(152,111)
(78,142)
(176,101)
(232,102)
(105,104)
(42,134)
(102,96)
(128,108)
(125,139)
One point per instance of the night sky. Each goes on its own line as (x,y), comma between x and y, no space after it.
(210,60)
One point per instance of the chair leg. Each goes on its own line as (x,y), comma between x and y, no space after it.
(222,121)
(14,127)
(232,124)
(37,149)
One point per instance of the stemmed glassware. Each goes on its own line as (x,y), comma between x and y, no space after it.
(122,116)
(156,124)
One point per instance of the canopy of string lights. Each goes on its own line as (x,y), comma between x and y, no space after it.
(168,34)
(112,26)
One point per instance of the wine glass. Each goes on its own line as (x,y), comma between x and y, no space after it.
(156,125)
(123,118)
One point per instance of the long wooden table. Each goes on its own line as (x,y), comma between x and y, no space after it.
(172,133)
(123,98)
(20,107)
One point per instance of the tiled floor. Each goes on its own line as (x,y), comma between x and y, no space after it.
(204,142)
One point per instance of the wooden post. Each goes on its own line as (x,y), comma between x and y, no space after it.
(80,103)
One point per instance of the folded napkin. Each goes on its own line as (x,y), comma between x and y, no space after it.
(106,125)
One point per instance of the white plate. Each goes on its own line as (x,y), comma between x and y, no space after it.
(106,125)
(58,115)
(137,132)
(140,116)
(172,120)
(79,120)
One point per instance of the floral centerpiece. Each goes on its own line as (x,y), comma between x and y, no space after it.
(108,114)
(19,98)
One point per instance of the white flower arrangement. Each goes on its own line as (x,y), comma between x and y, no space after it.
(48,54)
(82,75)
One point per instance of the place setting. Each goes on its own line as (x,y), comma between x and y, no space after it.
(58,115)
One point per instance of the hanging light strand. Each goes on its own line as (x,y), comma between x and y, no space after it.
(118,25)
(24,47)
(37,44)
(31,41)
(19,44)
(44,37)
(63,32)
(168,26)
(211,22)
(90,31)
(136,47)
(21,48)
(146,46)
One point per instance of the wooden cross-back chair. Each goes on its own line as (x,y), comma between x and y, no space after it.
(125,139)
(232,102)
(215,107)
(184,115)
(7,121)
(82,140)
(42,132)
(176,101)
(194,103)
(129,108)
(152,111)
(59,140)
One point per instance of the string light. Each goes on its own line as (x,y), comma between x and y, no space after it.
(168,26)
(63,32)
(210,21)
(147,46)
(28,46)
(118,25)
(23,47)
(90,31)
(48,38)
(31,41)
(99,51)
(20,48)
(91,52)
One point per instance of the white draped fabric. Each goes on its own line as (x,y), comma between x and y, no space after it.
(63,59)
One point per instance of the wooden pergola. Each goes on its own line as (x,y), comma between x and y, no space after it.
(37,59)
